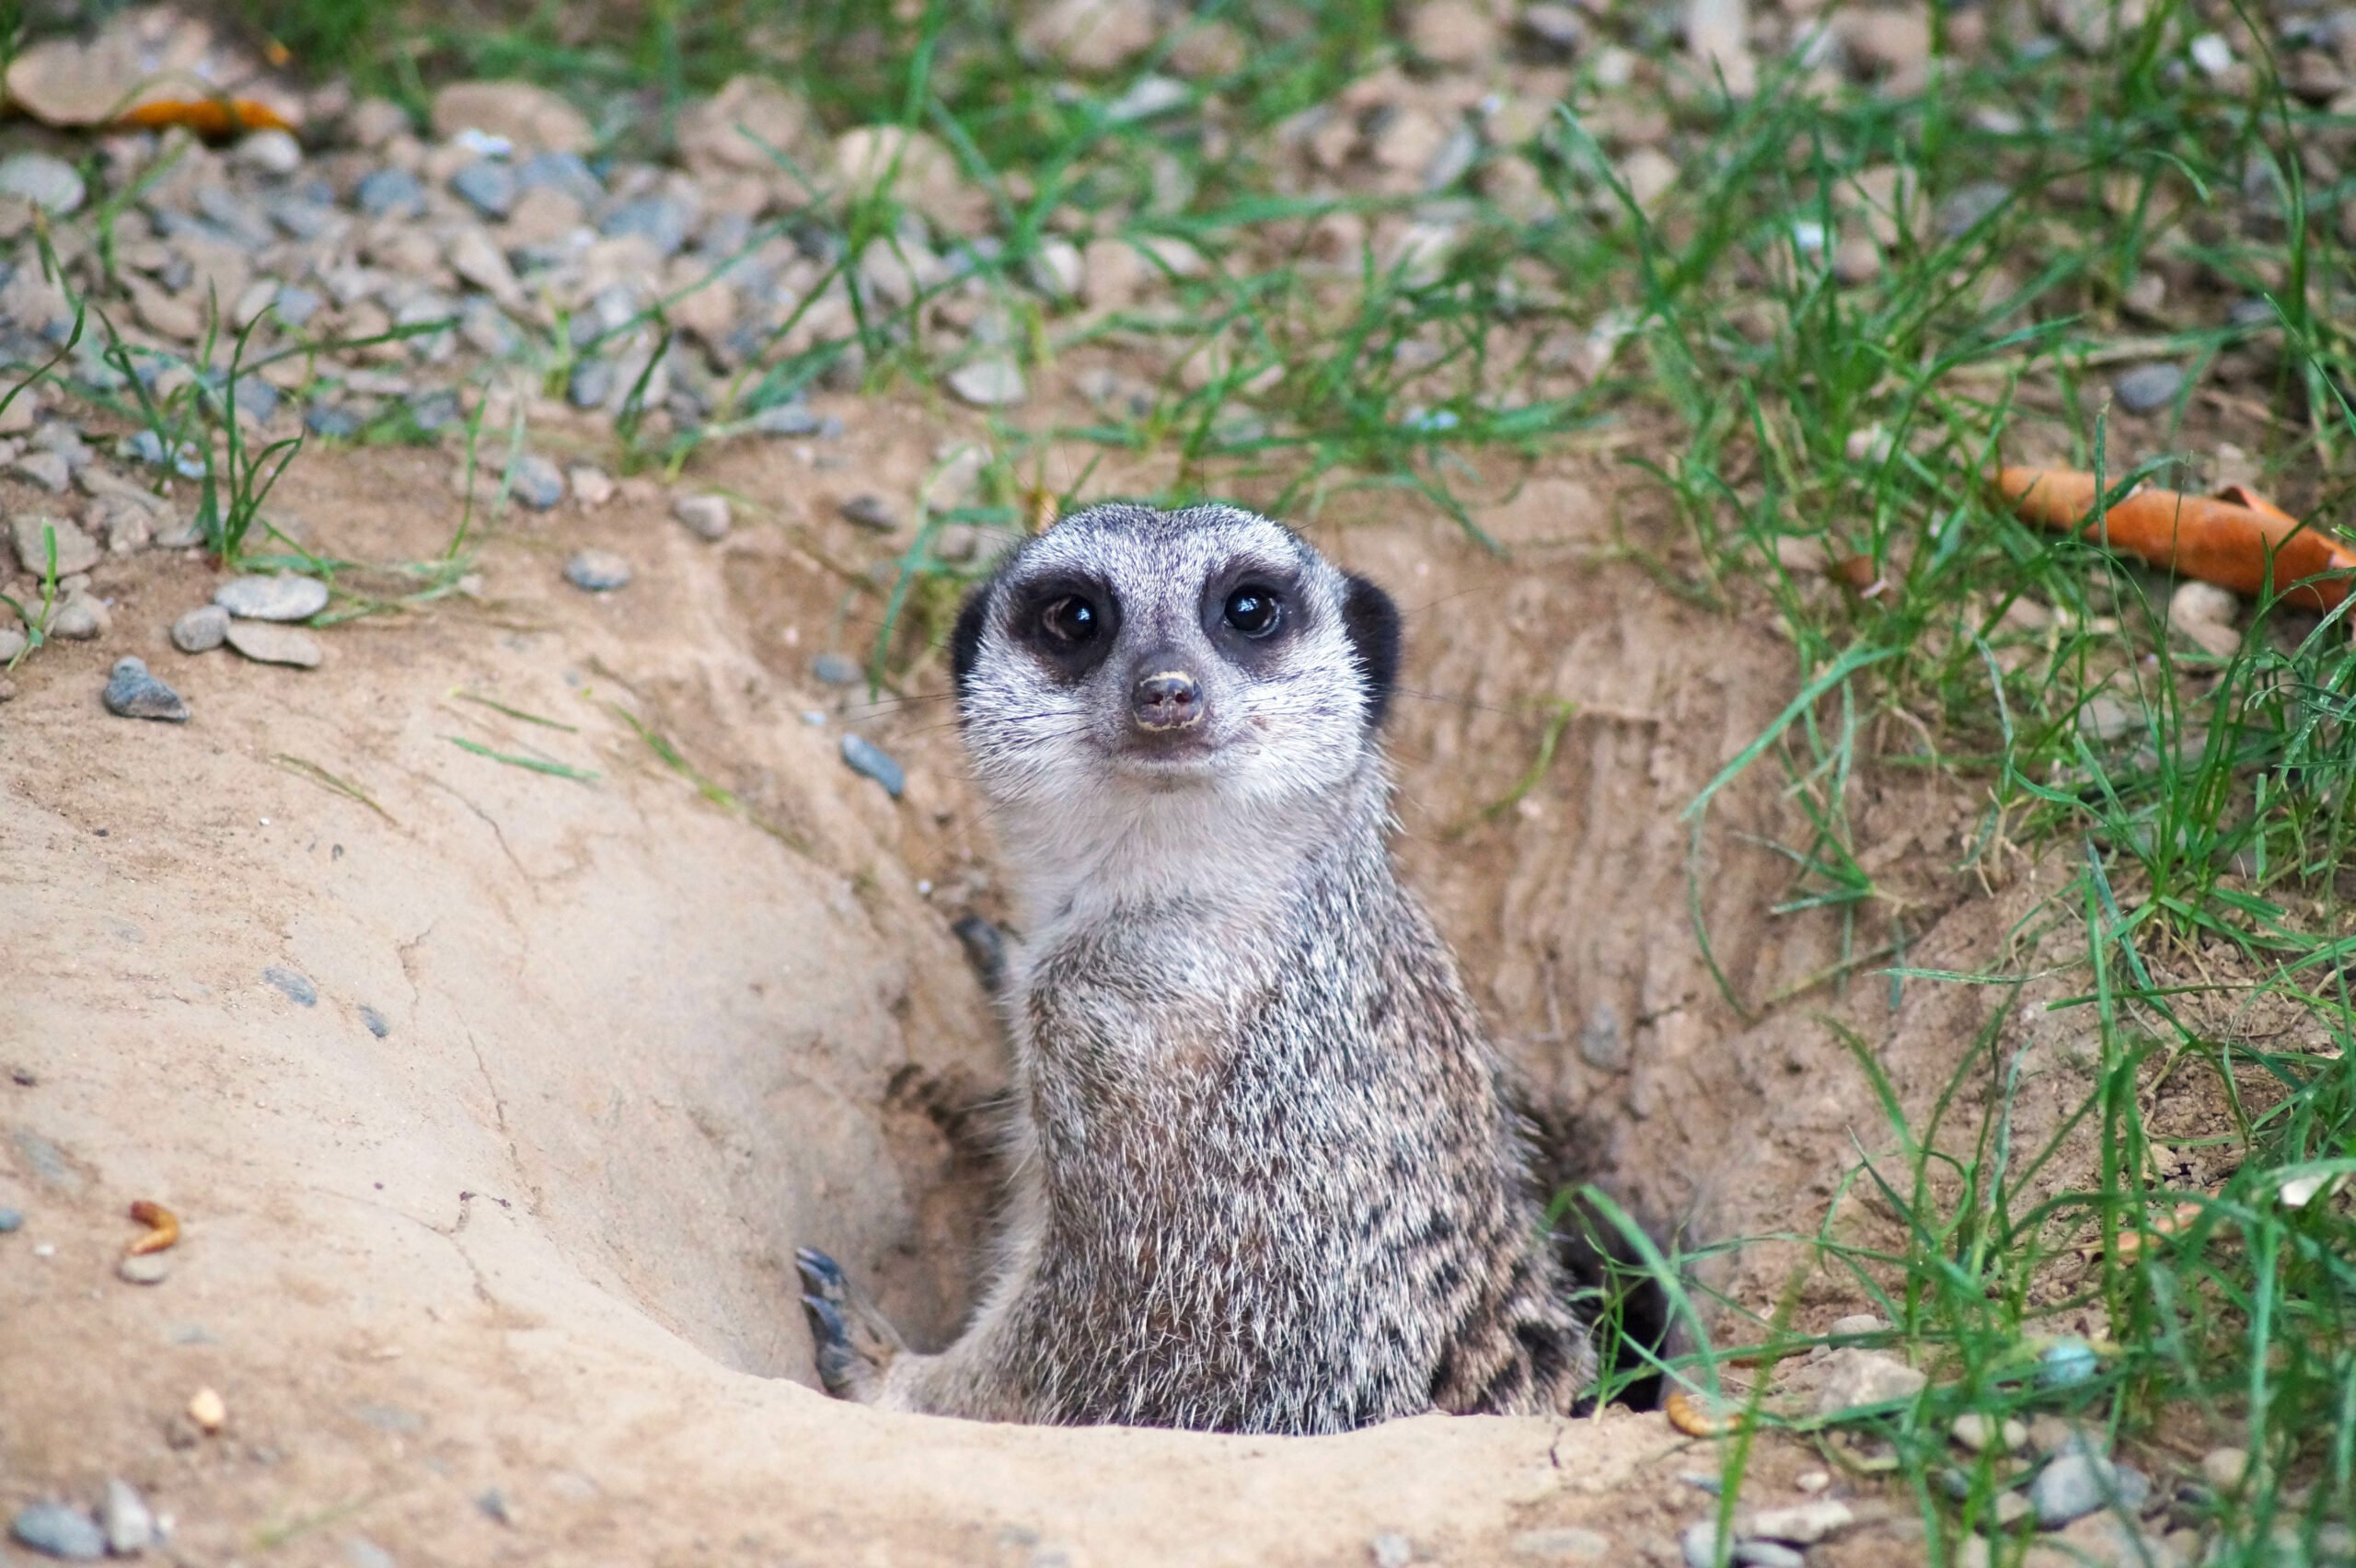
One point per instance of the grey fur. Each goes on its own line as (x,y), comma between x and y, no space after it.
(1265,1172)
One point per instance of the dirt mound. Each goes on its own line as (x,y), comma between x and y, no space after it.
(496,1089)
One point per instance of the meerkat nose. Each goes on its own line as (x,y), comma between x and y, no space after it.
(1167,700)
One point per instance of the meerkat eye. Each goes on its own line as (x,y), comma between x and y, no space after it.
(1070,621)
(1253,610)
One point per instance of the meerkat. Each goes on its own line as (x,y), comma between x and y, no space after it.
(1267,1172)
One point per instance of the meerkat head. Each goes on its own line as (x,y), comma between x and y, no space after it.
(1130,653)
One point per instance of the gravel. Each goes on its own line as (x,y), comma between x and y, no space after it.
(390,193)
(663,219)
(837,669)
(1854,1377)
(597,571)
(864,756)
(2070,1487)
(31,533)
(268,644)
(374,1021)
(55,1529)
(869,512)
(281,598)
(11,1220)
(146,1268)
(132,693)
(47,182)
(536,481)
(124,1516)
(296,985)
(2148,388)
(707,516)
(991,381)
(1768,1554)
(489,187)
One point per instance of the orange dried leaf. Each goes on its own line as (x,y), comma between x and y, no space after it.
(1689,1415)
(212,117)
(2235,543)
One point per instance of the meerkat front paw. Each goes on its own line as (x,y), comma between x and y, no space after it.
(855,1345)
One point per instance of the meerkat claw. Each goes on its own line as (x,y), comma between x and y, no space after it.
(854,1343)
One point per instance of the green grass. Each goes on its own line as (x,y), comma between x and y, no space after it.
(1764,405)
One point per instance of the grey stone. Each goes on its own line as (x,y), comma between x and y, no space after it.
(235,217)
(536,481)
(47,182)
(287,597)
(266,643)
(1699,1544)
(10,1220)
(390,193)
(493,1503)
(1768,1554)
(1854,1377)
(1555,27)
(796,419)
(46,1160)
(990,382)
(707,516)
(296,306)
(79,618)
(663,219)
(132,693)
(1802,1523)
(869,512)
(1964,209)
(598,571)
(55,1530)
(2071,1487)
(1563,1543)
(46,469)
(362,1552)
(2148,388)
(271,152)
(2224,1469)
(2069,1362)
(1603,1044)
(30,532)
(837,669)
(561,171)
(1392,1549)
(300,215)
(487,186)
(296,985)
(866,757)
(487,328)
(146,1268)
(591,384)
(331,421)
(374,1021)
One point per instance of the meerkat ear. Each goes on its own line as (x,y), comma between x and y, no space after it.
(965,641)
(1372,622)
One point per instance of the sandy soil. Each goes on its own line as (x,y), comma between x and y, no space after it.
(536,1239)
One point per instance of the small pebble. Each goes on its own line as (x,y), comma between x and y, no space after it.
(374,1021)
(1977,1431)
(11,1220)
(1812,1482)
(1852,1377)
(488,187)
(2071,1487)
(990,382)
(271,152)
(132,693)
(598,571)
(206,1409)
(146,1268)
(1767,1554)
(865,757)
(55,1530)
(662,219)
(869,512)
(837,669)
(201,630)
(1391,1550)
(1802,1523)
(390,192)
(297,987)
(2148,388)
(125,1515)
(591,486)
(536,481)
(281,598)
(49,183)
(269,644)
(2221,1467)
(1858,1324)
(1699,1544)
(707,516)
(2066,1363)
(493,1503)
(1563,1543)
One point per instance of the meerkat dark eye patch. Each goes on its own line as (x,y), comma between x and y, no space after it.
(1251,609)
(1071,626)
(965,641)
(1371,621)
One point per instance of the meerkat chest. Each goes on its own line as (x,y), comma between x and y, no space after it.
(1130,1005)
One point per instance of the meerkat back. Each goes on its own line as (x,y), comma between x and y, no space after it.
(1270,1178)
